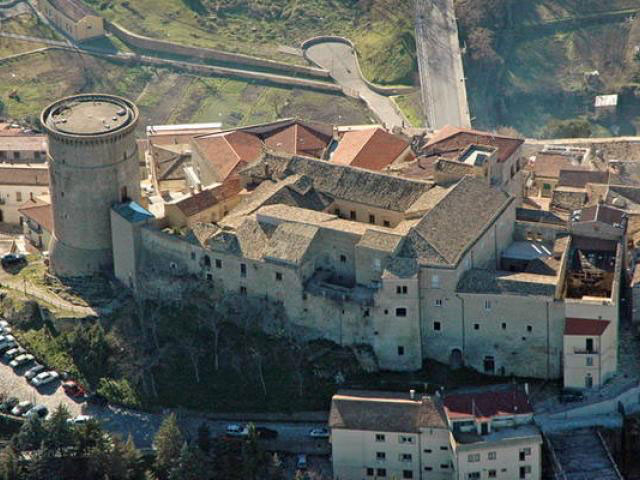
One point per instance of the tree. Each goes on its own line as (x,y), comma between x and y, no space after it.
(481,46)
(58,432)
(31,435)
(87,436)
(168,443)
(572,128)
(192,465)
(133,460)
(10,468)
(254,459)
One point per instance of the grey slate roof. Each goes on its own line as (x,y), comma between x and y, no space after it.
(496,282)
(290,242)
(460,217)
(384,412)
(343,182)
(377,240)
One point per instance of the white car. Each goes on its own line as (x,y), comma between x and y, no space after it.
(4,323)
(14,352)
(79,420)
(21,360)
(33,371)
(22,408)
(319,433)
(44,378)
(235,430)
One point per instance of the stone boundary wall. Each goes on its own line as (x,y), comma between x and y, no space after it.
(202,53)
(376,88)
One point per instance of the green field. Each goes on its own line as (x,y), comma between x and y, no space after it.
(543,55)
(382,29)
(165,96)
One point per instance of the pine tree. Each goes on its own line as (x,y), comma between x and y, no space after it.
(10,464)
(168,442)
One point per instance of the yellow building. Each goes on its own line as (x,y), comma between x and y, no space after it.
(74,18)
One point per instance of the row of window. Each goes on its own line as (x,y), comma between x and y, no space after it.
(17,155)
(437,326)
(243,267)
(475,457)
(381,437)
(354,216)
(402,457)
(382,472)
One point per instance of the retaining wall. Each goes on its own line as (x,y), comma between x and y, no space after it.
(376,88)
(146,43)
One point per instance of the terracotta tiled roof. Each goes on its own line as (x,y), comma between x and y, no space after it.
(454,140)
(10,175)
(550,164)
(228,151)
(39,212)
(602,213)
(583,326)
(487,404)
(373,149)
(580,178)
(207,198)
(298,139)
(385,412)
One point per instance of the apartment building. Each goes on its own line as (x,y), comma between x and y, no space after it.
(23,149)
(471,436)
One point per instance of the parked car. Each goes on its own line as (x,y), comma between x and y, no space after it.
(33,371)
(235,430)
(301,463)
(21,360)
(14,352)
(4,323)
(21,407)
(266,433)
(9,259)
(571,395)
(5,330)
(39,411)
(73,389)
(44,378)
(319,433)
(7,344)
(79,420)
(8,404)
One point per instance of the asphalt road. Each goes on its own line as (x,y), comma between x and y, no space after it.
(440,64)
(340,60)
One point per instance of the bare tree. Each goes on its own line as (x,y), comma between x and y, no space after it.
(259,359)
(193,347)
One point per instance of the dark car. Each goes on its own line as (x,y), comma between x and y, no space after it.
(266,433)
(73,389)
(571,395)
(13,259)
(8,404)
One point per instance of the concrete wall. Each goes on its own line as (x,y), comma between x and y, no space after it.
(354,451)
(507,463)
(208,54)
(13,197)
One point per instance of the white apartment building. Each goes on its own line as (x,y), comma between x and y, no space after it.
(474,436)
(18,185)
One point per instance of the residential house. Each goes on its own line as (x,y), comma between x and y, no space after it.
(17,149)
(37,223)
(19,183)
(373,149)
(74,18)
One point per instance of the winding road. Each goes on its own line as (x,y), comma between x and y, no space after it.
(340,59)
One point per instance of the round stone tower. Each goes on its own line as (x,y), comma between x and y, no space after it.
(93,164)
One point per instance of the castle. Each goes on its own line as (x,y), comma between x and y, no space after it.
(449,269)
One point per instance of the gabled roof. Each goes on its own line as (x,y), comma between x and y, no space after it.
(460,217)
(373,149)
(585,327)
(454,140)
(580,178)
(487,404)
(550,164)
(39,212)
(603,214)
(298,139)
(227,151)
(385,412)
(205,199)
(17,143)
(290,242)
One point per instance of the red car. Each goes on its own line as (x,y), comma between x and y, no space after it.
(73,389)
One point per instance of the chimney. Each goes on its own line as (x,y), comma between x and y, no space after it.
(412,394)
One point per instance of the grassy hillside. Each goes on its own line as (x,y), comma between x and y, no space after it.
(382,29)
(543,50)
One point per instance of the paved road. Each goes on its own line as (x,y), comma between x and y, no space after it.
(440,64)
(340,60)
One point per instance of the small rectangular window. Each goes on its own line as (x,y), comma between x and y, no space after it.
(382,472)
(372,219)
(476,326)
(278,276)
(529,328)
(369,472)
(386,223)
(343,259)
(18,196)
(405,439)
(444,447)
(243,291)
(337,212)
(218,263)
(437,302)
(493,474)
(381,455)
(444,466)
(380,437)
(427,450)
(400,350)
(407,474)
(487,304)
(404,457)
(491,455)
(428,469)
(401,312)
(589,361)
(437,326)
(352,215)
(504,326)
(435,281)
(243,269)
(475,457)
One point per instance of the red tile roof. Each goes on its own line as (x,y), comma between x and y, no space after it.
(229,151)
(373,149)
(454,140)
(207,198)
(583,326)
(298,139)
(39,212)
(487,404)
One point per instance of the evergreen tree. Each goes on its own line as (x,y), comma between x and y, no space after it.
(59,434)
(133,460)
(168,443)
(192,465)
(204,438)
(31,435)
(10,464)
